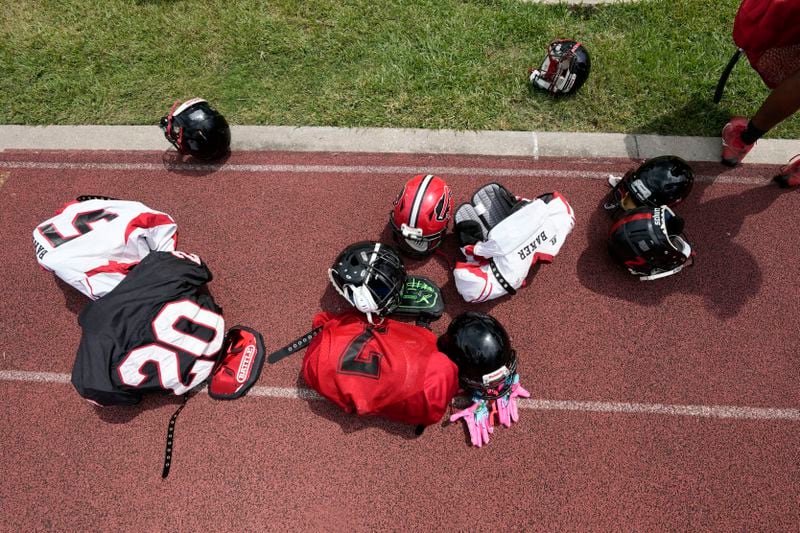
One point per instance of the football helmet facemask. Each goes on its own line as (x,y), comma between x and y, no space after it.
(421,214)
(195,128)
(479,346)
(650,243)
(664,180)
(564,70)
(369,275)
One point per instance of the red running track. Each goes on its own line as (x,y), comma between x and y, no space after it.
(722,333)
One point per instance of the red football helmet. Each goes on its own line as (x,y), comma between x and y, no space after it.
(421,214)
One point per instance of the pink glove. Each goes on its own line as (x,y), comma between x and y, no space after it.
(507,409)
(478,421)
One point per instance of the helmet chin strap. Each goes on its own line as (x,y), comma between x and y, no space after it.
(362,299)
(413,238)
(684,248)
(664,274)
(409,232)
(359,297)
(671,225)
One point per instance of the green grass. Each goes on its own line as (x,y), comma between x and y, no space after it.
(391,63)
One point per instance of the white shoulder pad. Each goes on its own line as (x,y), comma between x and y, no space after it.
(514,230)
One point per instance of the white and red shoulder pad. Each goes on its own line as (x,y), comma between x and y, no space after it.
(502,236)
(239,366)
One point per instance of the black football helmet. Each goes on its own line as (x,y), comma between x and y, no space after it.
(564,70)
(479,346)
(197,129)
(650,243)
(369,275)
(664,180)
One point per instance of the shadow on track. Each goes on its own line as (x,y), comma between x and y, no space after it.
(122,414)
(189,166)
(350,422)
(74,301)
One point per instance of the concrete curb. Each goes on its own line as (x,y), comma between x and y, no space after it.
(391,140)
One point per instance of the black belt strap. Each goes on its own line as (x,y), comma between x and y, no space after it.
(170,435)
(723,79)
(293,346)
(500,279)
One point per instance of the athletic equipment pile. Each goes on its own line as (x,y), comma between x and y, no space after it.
(647,236)
(152,325)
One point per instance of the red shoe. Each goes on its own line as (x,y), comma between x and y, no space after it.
(733,147)
(789,174)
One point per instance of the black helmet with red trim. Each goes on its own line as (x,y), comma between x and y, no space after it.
(481,349)
(370,275)
(197,129)
(650,243)
(564,70)
(664,180)
(421,214)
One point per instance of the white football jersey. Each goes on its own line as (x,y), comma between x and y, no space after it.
(530,234)
(93,244)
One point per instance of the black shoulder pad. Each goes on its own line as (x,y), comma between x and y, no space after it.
(468,232)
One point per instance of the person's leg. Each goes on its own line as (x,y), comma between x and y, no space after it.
(781,103)
(740,135)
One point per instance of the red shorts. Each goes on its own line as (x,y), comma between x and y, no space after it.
(776,64)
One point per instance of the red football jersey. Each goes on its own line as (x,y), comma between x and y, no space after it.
(392,370)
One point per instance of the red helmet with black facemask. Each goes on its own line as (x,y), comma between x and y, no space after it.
(421,214)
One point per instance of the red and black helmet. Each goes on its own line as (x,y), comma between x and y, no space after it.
(564,70)
(197,129)
(650,243)
(421,214)
(663,180)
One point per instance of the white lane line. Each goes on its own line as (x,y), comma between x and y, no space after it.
(705,411)
(361,169)
(708,411)
(33,377)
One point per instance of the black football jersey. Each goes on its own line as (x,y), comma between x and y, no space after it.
(157,330)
